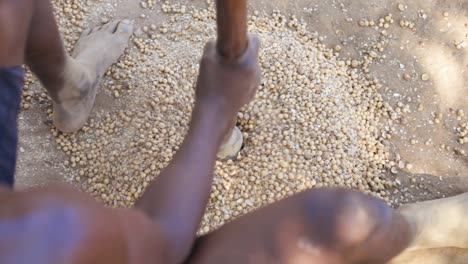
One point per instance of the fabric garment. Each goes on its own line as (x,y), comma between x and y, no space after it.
(11,81)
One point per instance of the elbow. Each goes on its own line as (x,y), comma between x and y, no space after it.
(179,240)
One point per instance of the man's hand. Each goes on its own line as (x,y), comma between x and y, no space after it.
(228,85)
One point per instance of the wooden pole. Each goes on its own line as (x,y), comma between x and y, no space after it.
(232,28)
(231,17)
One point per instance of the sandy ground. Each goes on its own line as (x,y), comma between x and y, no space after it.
(430,49)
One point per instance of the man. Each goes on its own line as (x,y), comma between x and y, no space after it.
(61,225)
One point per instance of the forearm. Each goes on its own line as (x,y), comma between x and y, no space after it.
(178,197)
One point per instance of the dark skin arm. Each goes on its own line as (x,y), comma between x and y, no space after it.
(178,197)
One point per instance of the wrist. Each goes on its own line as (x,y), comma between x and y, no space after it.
(214,115)
(214,105)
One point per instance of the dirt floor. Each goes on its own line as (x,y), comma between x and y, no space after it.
(436,48)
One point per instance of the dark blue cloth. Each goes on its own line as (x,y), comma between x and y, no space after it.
(11,80)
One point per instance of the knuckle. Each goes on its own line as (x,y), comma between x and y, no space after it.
(351,215)
(362,218)
(207,60)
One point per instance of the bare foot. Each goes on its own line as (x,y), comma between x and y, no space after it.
(439,223)
(231,147)
(96,50)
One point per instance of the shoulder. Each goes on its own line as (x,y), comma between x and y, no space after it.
(62,225)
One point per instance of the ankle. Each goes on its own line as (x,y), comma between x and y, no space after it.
(411,217)
(76,84)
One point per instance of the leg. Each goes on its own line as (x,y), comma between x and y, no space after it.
(440,229)
(29,34)
(432,256)
(319,226)
(13,36)
(71,82)
(439,223)
(14,31)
